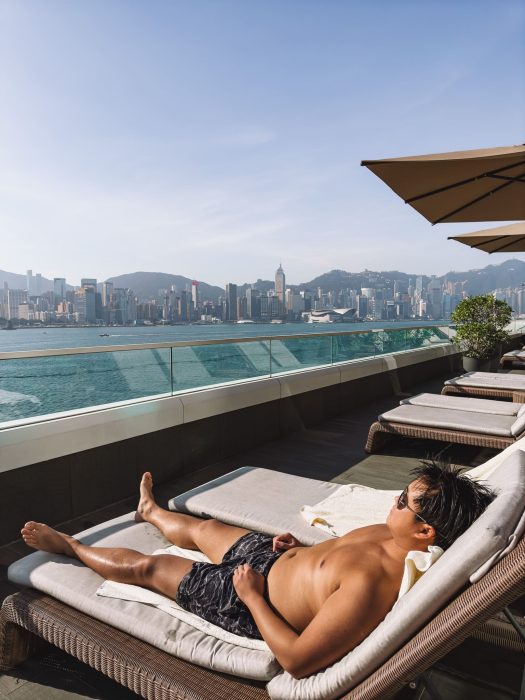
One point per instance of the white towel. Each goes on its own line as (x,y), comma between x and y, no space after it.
(416,563)
(350,507)
(124,591)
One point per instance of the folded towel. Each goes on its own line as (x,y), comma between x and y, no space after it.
(350,507)
(124,591)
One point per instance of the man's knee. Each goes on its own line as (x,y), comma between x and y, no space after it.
(144,569)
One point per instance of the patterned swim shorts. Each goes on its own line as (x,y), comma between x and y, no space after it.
(207,589)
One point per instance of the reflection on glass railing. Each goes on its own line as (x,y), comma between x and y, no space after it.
(64,381)
(204,365)
(41,385)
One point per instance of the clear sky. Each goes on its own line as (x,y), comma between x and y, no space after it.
(217,138)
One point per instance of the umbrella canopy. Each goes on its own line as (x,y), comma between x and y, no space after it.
(503,239)
(482,185)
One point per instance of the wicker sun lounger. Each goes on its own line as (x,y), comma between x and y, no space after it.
(29,616)
(492,385)
(514,358)
(467,421)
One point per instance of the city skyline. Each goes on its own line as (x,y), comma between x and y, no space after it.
(143,139)
(374,298)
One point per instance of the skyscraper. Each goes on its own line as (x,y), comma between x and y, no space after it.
(231,302)
(59,289)
(280,284)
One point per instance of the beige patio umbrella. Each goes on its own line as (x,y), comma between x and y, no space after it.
(503,239)
(481,185)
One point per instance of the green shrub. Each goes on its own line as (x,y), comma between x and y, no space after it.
(480,325)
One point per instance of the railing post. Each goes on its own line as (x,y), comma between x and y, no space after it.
(271,357)
(332,349)
(171,370)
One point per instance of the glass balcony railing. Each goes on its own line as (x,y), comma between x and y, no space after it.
(48,382)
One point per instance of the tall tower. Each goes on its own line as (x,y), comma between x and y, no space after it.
(231,302)
(280,283)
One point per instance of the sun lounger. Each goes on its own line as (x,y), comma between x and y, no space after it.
(462,420)
(271,499)
(492,385)
(513,358)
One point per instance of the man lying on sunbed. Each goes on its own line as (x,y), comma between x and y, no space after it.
(311,605)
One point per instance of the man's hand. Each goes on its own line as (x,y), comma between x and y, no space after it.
(248,583)
(283,543)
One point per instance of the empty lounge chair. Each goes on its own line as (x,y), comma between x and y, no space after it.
(493,385)
(462,420)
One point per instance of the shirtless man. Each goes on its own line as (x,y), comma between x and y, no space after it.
(311,605)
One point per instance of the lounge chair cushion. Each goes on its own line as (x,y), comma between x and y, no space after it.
(74,584)
(450,419)
(463,403)
(259,499)
(488,380)
(518,426)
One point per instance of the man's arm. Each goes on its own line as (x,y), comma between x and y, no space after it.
(344,620)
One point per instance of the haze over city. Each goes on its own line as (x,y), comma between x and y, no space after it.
(211,138)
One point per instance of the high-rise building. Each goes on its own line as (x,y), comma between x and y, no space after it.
(15,297)
(435,298)
(280,286)
(85,304)
(253,303)
(107,291)
(195,294)
(231,302)
(59,289)
(30,282)
(38,284)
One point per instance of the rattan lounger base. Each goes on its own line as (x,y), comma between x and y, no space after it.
(381,431)
(484,392)
(159,676)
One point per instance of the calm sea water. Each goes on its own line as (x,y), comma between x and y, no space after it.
(33,387)
(42,338)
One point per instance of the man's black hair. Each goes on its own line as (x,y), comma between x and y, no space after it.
(450,501)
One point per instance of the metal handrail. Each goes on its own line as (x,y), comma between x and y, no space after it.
(50,352)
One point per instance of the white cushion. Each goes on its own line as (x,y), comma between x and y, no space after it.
(447,418)
(73,583)
(465,403)
(259,499)
(518,426)
(496,380)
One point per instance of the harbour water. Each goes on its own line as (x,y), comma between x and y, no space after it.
(44,386)
(46,338)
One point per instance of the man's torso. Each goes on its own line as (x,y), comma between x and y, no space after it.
(302,579)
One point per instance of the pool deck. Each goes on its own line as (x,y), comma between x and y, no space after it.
(331,451)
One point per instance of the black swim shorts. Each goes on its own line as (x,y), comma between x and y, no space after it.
(207,589)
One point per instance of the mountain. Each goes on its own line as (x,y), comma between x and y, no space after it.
(15,281)
(146,285)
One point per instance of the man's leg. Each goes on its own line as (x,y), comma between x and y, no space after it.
(161,573)
(211,537)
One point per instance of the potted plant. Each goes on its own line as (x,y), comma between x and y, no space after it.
(480,331)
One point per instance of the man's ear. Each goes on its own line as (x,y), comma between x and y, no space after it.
(427,532)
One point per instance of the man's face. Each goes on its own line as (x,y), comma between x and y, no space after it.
(402,518)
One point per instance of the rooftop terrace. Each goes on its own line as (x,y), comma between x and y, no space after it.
(331,450)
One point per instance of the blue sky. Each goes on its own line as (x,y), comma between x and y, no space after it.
(216,138)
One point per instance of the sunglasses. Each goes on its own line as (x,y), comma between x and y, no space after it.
(402,503)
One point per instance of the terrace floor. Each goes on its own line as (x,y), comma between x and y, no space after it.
(331,451)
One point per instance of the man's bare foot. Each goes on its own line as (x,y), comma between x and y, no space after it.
(147,502)
(43,537)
